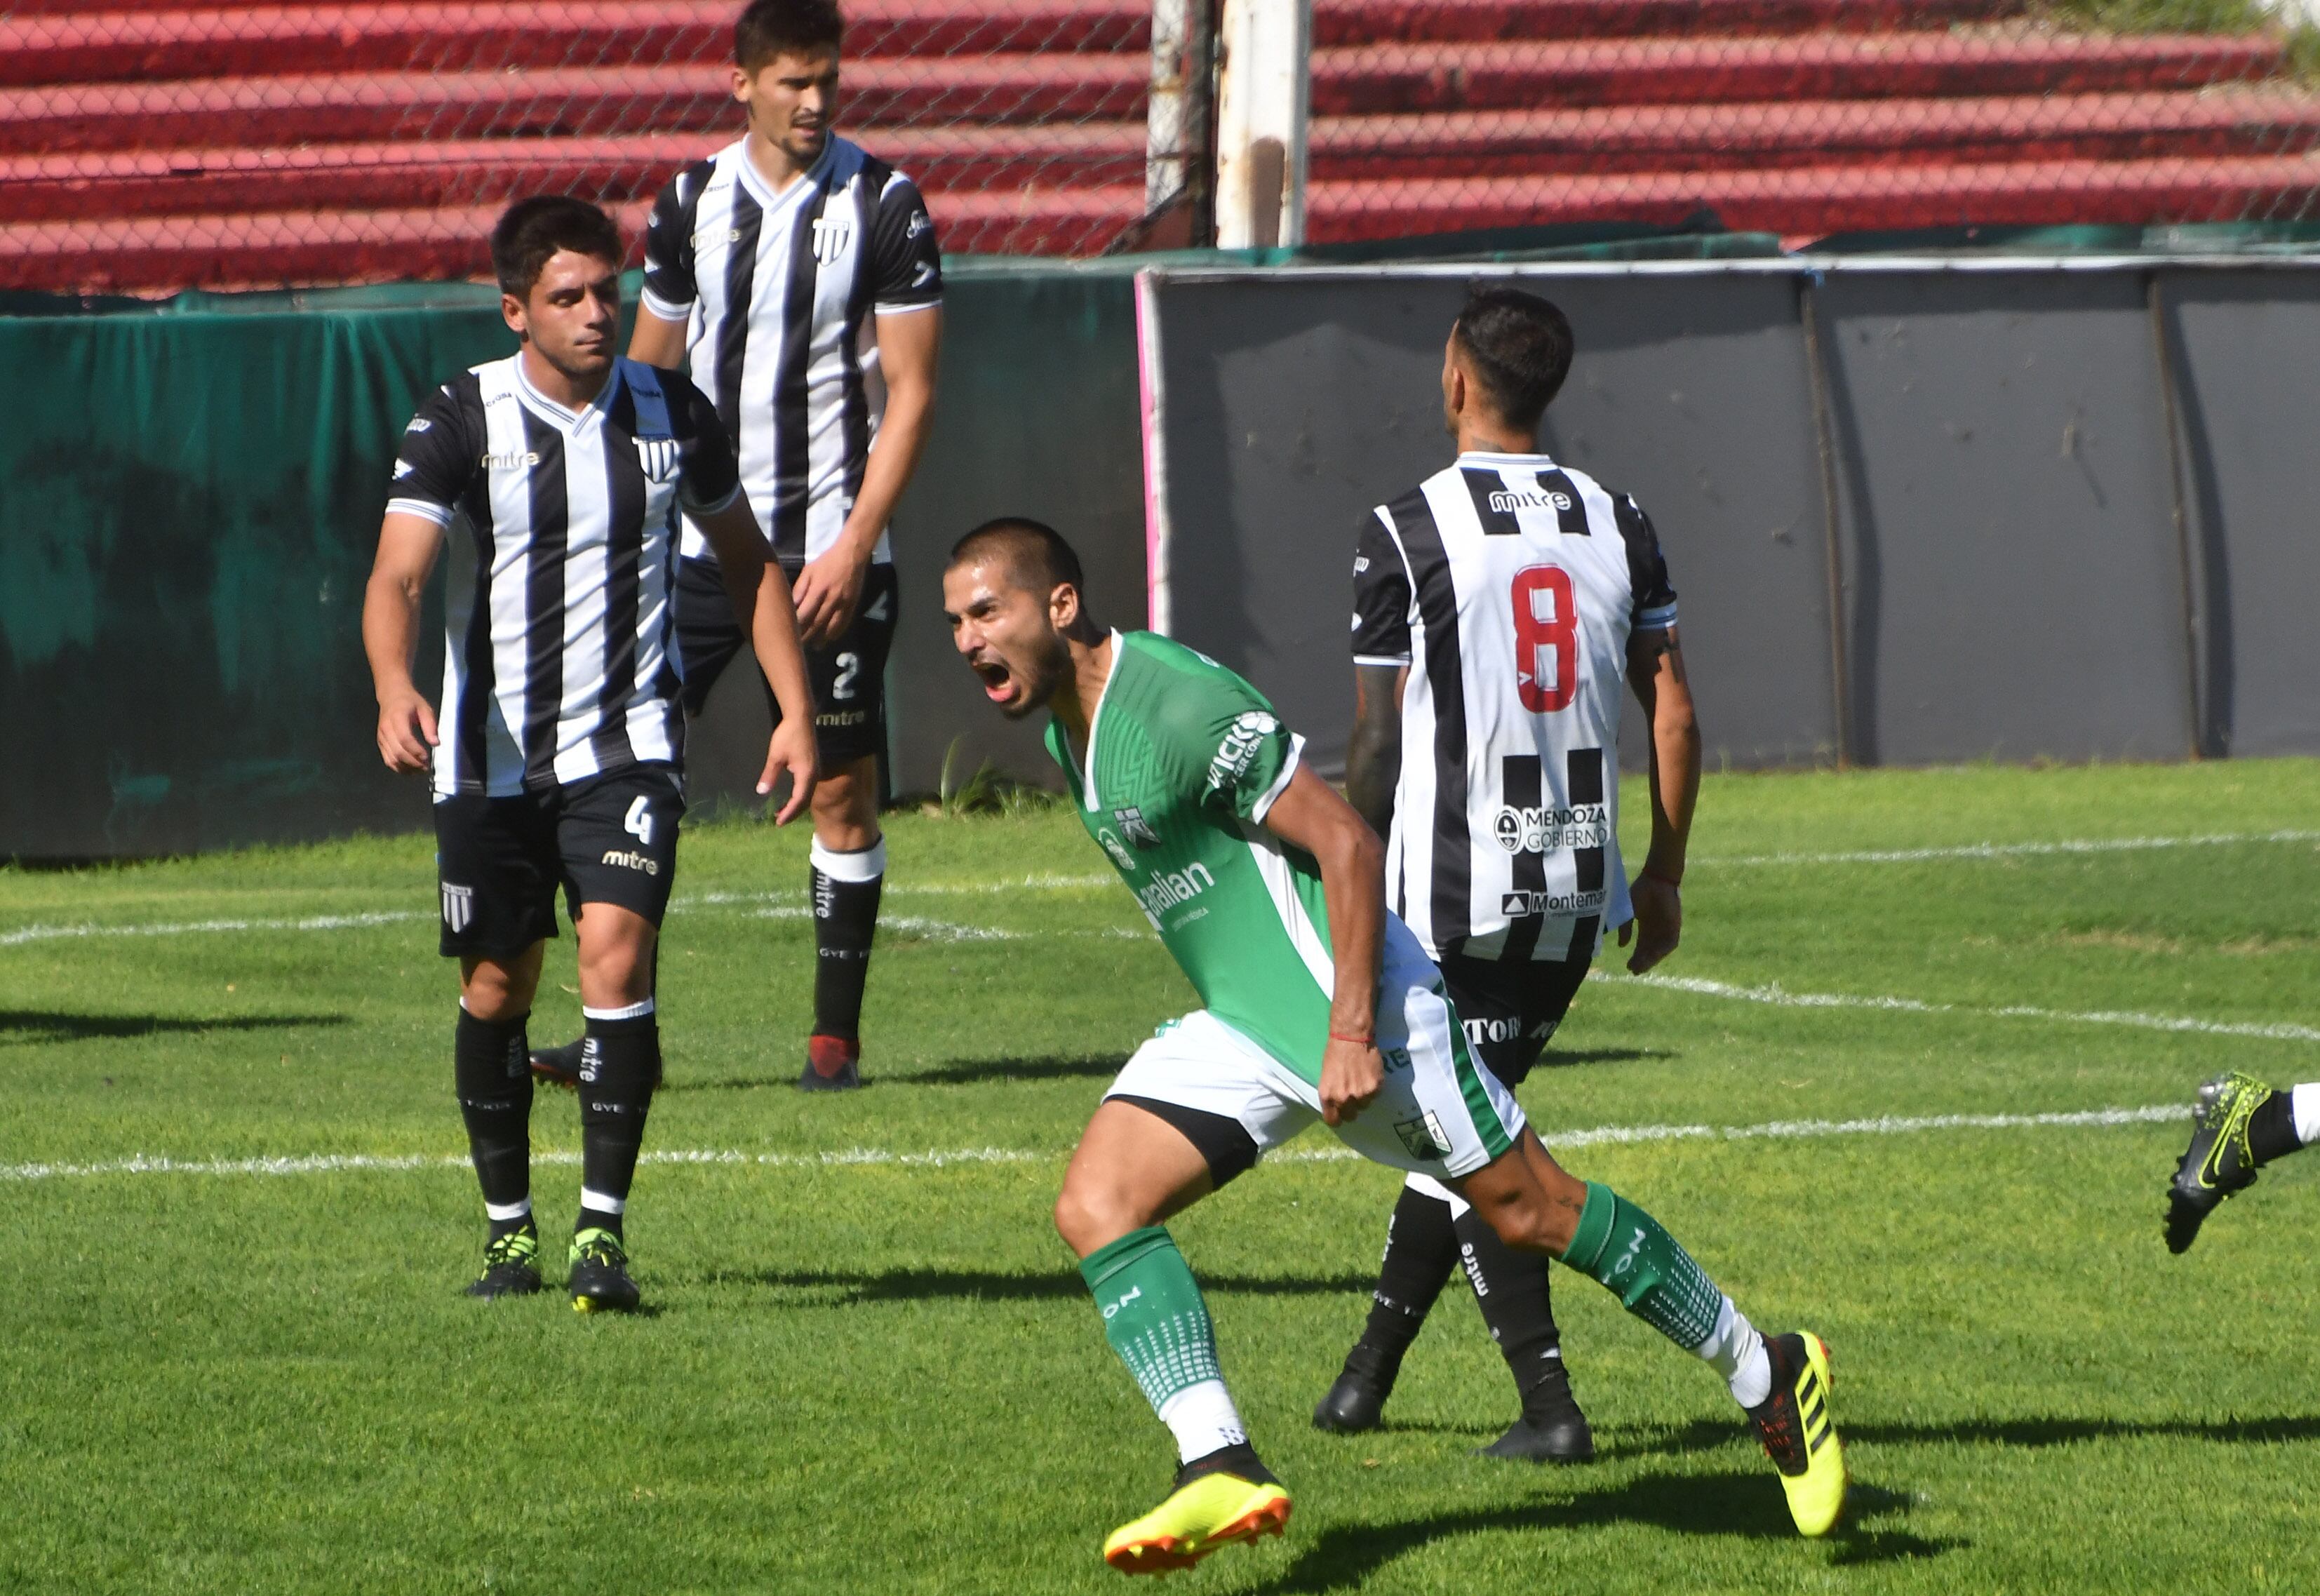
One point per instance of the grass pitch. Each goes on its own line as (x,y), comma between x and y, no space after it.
(864,1371)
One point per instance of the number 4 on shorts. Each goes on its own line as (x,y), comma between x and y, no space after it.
(639,823)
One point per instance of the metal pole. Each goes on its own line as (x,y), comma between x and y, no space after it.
(1262,96)
(2192,651)
(1165,127)
(1825,429)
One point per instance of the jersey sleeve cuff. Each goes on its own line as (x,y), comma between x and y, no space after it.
(1280,782)
(666,310)
(1381,659)
(425,509)
(697,510)
(1658,617)
(900,307)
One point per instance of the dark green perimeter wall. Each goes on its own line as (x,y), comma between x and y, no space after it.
(189,503)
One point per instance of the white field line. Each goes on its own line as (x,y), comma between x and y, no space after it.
(876,1158)
(318,923)
(935,931)
(2011,850)
(1781,997)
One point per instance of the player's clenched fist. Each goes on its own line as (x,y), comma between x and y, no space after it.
(406,731)
(1352,1076)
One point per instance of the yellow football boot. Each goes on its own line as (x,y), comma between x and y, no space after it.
(1210,1511)
(1799,1434)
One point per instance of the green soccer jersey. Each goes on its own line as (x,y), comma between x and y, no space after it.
(1184,760)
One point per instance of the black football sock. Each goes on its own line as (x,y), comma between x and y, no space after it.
(1421,1248)
(2271,1129)
(1511,1290)
(846,893)
(618,1068)
(491,1071)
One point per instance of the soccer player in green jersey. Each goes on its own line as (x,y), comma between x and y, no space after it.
(1319,1004)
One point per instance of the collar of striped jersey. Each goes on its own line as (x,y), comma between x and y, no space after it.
(563,416)
(801,185)
(1095,718)
(1486,458)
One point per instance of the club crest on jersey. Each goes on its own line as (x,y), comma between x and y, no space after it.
(1135,827)
(831,234)
(1238,750)
(660,457)
(458,906)
(1505,501)
(1118,849)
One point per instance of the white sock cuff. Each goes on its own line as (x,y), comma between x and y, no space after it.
(1426,1185)
(868,865)
(633,1011)
(2303,1105)
(1202,1418)
(499,1213)
(602,1203)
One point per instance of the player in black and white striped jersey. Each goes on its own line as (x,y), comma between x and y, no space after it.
(802,279)
(1500,609)
(558,475)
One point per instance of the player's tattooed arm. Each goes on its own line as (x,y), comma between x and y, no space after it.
(1656,671)
(1373,753)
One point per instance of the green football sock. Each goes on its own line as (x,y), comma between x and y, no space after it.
(1624,1249)
(1154,1317)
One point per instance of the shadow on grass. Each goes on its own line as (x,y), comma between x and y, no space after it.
(22,1028)
(967,1073)
(1571,1058)
(1742,1504)
(916,1285)
(1706,1435)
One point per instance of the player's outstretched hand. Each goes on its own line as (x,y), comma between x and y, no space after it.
(406,731)
(827,591)
(790,749)
(1658,925)
(1352,1076)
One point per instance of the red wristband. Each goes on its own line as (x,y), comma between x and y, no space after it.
(1338,1035)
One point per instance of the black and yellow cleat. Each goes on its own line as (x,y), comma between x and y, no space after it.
(1799,1434)
(510,1266)
(2219,1161)
(1225,1497)
(600,1279)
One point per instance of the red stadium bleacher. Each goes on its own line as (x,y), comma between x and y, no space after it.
(146,146)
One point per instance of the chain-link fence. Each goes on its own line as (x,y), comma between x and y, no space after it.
(1806,117)
(152,144)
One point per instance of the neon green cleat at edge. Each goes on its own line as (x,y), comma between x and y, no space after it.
(1799,1434)
(1201,1514)
(600,1279)
(2218,1162)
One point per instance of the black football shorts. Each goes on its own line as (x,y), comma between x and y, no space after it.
(1510,1010)
(848,677)
(610,840)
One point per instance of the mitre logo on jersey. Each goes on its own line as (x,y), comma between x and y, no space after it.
(458,906)
(829,236)
(1135,827)
(512,462)
(1507,501)
(1551,830)
(1238,750)
(660,457)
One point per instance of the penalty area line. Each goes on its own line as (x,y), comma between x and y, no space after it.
(878,1157)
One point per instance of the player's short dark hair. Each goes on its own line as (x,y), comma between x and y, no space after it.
(771,27)
(1517,345)
(533,230)
(1036,553)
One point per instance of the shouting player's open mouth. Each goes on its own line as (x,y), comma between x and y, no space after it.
(999,684)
